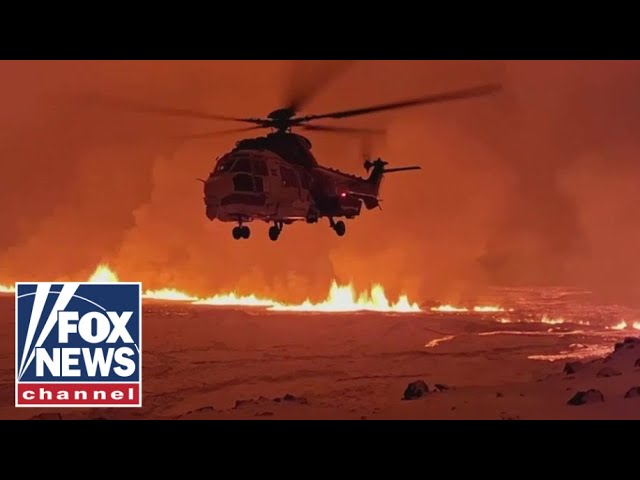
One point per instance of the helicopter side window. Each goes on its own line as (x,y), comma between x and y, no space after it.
(260,167)
(243,183)
(242,165)
(289,177)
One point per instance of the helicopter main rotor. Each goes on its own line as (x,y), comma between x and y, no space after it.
(286,118)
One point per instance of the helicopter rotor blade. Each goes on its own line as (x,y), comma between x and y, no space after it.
(430,99)
(217,133)
(332,129)
(141,107)
(304,84)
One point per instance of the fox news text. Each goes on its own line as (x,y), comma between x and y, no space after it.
(78,345)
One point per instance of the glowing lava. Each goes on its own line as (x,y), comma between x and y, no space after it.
(476,309)
(623,325)
(340,298)
(169,294)
(233,300)
(620,326)
(103,274)
(449,309)
(7,289)
(344,299)
(551,321)
(488,309)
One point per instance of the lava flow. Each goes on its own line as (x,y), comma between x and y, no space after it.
(340,298)
(476,309)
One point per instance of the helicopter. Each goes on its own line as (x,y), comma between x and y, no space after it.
(276,178)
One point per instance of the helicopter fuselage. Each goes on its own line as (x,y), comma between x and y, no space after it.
(249,185)
(277,180)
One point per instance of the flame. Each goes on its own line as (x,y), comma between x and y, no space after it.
(476,309)
(620,326)
(449,309)
(551,321)
(488,309)
(103,274)
(343,299)
(7,289)
(169,294)
(340,298)
(636,325)
(233,300)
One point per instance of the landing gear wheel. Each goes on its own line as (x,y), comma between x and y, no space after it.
(237,233)
(340,228)
(245,232)
(274,233)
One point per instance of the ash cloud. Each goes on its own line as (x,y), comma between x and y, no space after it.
(535,186)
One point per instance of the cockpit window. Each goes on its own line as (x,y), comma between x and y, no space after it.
(242,165)
(223,166)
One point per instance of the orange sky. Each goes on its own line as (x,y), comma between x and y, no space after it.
(538,185)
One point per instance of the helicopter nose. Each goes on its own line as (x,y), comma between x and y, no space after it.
(213,191)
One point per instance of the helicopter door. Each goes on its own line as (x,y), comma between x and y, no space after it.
(260,175)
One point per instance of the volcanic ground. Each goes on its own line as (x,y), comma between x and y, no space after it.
(205,362)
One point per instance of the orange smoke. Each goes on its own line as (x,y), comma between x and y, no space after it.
(339,299)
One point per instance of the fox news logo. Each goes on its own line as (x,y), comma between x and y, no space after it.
(78,345)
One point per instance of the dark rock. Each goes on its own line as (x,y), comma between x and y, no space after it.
(264,414)
(637,364)
(633,340)
(607,372)
(206,409)
(572,367)
(363,417)
(633,393)
(48,416)
(499,395)
(240,403)
(618,346)
(608,358)
(415,390)
(630,346)
(590,396)
(290,398)
(277,400)
(453,408)
(441,387)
